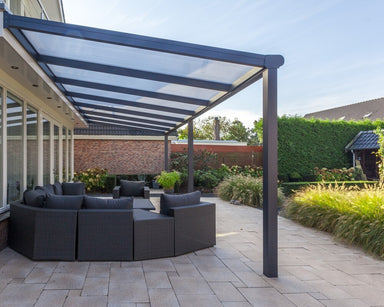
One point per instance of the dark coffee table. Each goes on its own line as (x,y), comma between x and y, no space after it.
(141,203)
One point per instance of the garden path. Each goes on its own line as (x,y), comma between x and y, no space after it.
(314,270)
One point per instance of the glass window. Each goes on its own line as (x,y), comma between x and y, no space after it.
(70,175)
(46,151)
(56,153)
(31,147)
(1,149)
(65,154)
(14,148)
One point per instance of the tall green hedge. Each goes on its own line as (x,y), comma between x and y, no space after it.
(308,143)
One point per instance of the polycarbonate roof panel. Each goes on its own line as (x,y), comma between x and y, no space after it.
(130,82)
(148,111)
(128,57)
(119,112)
(126,79)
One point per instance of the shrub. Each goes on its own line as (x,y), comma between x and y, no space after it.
(304,144)
(246,189)
(94,178)
(246,170)
(168,180)
(335,174)
(110,183)
(352,214)
(207,180)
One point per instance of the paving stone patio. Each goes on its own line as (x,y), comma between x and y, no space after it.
(314,270)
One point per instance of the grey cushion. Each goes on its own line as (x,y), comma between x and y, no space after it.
(34,198)
(48,188)
(73,188)
(58,188)
(168,201)
(131,188)
(70,202)
(100,203)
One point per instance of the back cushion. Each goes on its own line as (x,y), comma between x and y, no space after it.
(168,201)
(69,202)
(73,188)
(34,198)
(100,203)
(131,188)
(58,188)
(48,188)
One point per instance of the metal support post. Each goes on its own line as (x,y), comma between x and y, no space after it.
(166,162)
(270,262)
(190,155)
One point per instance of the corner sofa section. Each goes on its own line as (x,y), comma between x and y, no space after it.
(109,229)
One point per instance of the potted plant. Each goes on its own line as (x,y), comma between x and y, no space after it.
(168,180)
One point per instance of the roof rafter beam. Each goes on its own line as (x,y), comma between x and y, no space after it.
(131,91)
(128,118)
(124,125)
(130,112)
(114,120)
(129,103)
(143,42)
(122,71)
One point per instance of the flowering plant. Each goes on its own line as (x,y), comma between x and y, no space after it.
(94,178)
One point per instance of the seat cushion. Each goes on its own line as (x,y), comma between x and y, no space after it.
(48,188)
(34,198)
(69,202)
(73,188)
(100,203)
(58,188)
(131,188)
(169,201)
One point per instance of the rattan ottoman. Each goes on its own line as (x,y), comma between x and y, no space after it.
(153,235)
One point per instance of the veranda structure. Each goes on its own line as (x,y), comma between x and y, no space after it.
(74,75)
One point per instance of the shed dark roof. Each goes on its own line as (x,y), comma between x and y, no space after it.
(364,140)
(371,109)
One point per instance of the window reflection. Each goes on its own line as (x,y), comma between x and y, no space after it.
(14,148)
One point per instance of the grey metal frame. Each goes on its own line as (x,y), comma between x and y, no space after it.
(267,64)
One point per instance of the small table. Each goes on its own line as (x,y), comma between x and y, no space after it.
(142,203)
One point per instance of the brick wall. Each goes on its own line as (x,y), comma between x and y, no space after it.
(120,156)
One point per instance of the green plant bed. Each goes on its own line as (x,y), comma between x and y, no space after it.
(291,187)
(351,214)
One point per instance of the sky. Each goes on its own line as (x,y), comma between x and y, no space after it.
(333,49)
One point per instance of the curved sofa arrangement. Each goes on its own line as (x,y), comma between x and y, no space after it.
(50,226)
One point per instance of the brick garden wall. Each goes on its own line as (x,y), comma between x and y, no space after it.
(120,156)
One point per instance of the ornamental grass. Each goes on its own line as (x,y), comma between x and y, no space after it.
(246,189)
(352,214)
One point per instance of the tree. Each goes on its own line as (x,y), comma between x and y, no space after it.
(229,130)
(204,129)
(258,131)
(237,132)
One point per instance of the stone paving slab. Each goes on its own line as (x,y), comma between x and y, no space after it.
(314,270)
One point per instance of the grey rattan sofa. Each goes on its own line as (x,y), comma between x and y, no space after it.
(194,221)
(136,189)
(86,228)
(42,233)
